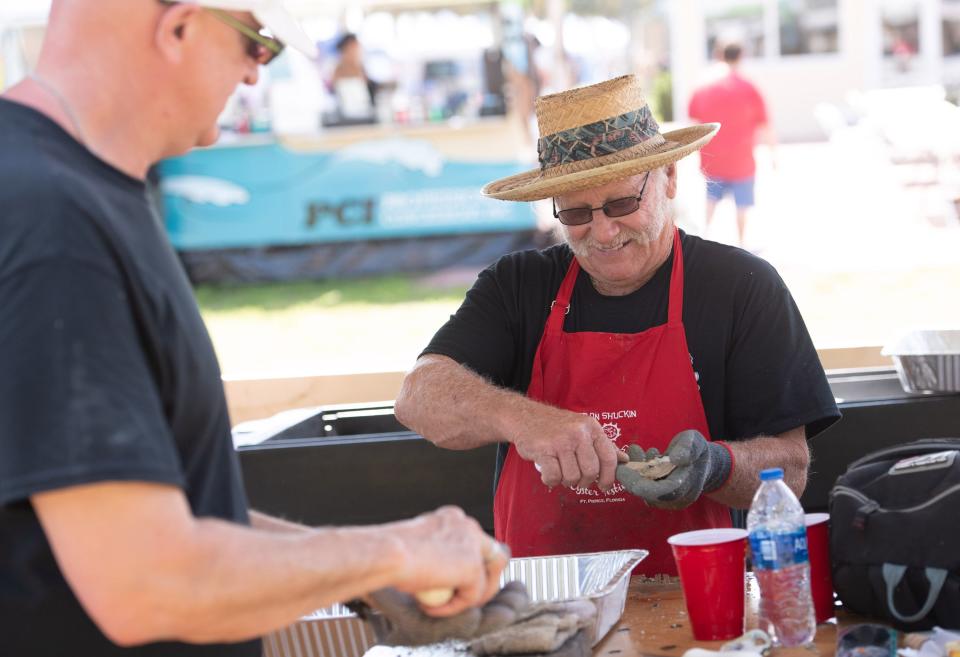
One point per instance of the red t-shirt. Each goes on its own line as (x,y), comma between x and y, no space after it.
(739,107)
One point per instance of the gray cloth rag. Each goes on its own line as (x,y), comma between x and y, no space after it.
(507,625)
(540,628)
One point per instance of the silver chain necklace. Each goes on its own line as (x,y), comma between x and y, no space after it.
(64,105)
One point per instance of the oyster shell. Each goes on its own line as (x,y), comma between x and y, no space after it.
(655,468)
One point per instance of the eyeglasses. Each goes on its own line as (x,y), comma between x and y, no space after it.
(261,48)
(619,207)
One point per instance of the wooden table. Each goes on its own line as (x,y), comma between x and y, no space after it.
(655,623)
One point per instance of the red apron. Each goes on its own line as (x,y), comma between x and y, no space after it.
(641,389)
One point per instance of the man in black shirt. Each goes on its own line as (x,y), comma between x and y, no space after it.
(123,523)
(630,333)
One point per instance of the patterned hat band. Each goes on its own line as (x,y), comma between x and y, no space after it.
(636,130)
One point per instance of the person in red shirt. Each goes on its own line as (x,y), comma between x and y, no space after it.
(727,161)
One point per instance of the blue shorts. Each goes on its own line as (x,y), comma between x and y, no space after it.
(742,191)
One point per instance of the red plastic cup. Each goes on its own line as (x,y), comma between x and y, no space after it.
(821,583)
(711,565)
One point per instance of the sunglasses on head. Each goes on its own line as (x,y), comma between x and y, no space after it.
(618,207)
(262,48)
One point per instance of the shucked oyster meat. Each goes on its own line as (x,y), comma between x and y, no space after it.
(655,468)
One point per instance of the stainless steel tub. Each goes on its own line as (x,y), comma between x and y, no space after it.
(927,361)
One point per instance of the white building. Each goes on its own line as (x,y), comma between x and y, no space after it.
(802,53)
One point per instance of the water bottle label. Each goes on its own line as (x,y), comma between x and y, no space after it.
(774,551)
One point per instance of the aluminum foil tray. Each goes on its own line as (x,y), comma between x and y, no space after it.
(927,361)
(332,632)
(600,576)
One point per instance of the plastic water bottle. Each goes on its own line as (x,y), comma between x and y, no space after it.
(778,540)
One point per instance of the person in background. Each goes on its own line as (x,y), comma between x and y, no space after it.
(350,65)
(526,80)
(124,527)
(631,336)
(727,162)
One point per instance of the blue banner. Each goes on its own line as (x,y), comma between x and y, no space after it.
(266,195)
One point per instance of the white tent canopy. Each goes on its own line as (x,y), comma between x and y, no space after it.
(35,11)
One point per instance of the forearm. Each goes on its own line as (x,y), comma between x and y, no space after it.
(246,582)
(260,520)
(455,408)
(769,137)
(242,582)
(208,580)
(787,450)
(164,574)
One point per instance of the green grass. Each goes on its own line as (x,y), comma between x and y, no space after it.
(392,290)
(303,328)
(382,324)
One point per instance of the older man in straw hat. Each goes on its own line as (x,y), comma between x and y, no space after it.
(124,528)
(632,333)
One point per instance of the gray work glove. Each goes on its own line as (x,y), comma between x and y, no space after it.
(401,621)
(702,467)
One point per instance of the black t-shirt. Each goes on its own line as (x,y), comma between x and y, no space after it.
(107,373)
(756,366)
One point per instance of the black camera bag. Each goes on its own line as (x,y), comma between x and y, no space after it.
(895,535)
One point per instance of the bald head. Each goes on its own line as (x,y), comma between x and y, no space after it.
(146,79)
(101,39)
(124,20)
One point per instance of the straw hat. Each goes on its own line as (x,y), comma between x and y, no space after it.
(593,135)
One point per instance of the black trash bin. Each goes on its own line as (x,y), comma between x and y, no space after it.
(356,465)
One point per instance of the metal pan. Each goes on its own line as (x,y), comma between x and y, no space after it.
(601,577)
